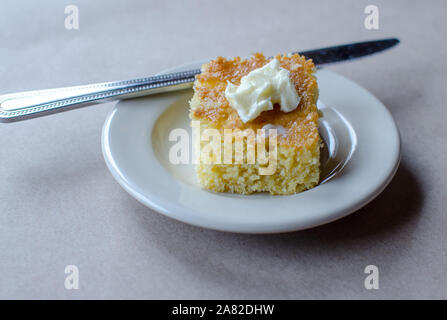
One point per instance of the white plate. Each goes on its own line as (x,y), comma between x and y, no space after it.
(361,155)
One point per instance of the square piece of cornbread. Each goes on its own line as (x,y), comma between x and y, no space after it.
(297,150)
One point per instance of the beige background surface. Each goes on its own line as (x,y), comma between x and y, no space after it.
(59,205)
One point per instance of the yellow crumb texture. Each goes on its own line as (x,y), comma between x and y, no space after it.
(298,150)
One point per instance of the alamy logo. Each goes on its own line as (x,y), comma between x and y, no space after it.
(72,19)
(232,146)
(72,280)
(372,18)
(372,280)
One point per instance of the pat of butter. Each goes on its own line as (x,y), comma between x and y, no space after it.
(261,89)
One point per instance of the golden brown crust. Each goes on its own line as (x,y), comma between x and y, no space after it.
(213,107)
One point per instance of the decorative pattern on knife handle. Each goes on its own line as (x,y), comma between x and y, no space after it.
(96,93)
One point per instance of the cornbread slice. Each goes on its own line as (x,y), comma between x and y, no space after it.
(298,146)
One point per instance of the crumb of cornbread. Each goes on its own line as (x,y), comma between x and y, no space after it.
(298,151)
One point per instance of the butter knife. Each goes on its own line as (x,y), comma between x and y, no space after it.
(31,104)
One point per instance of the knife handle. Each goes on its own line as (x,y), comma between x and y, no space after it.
(31,104)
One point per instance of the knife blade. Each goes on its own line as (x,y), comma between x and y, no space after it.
(349,51)
(31,104)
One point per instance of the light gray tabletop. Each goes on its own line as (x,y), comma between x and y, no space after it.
(60,206)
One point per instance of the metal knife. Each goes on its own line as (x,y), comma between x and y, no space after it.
(31,104)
